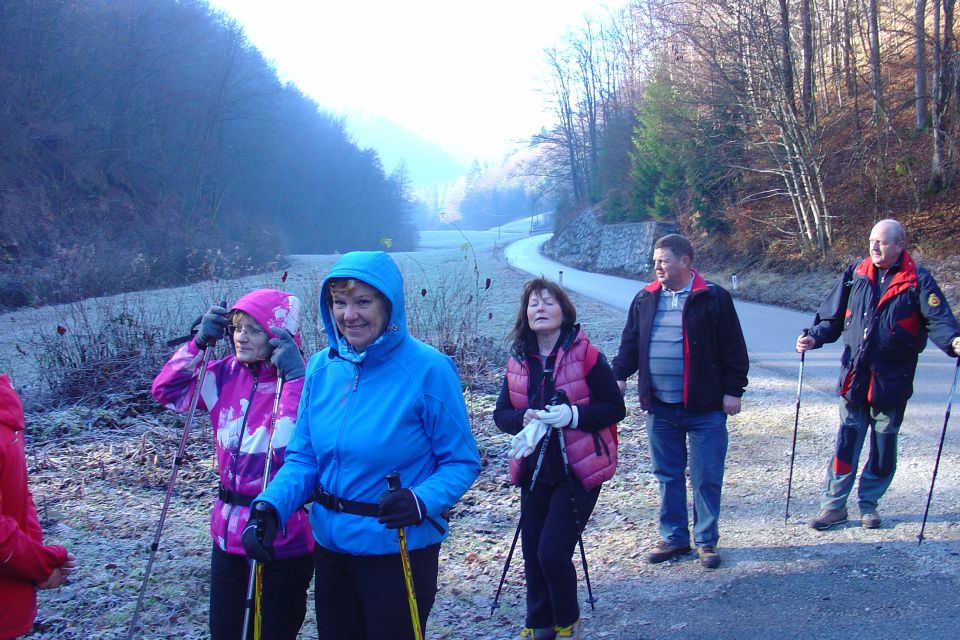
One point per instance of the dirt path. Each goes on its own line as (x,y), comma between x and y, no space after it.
(100,494)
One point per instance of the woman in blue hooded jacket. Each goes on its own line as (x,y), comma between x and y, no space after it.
(376,401)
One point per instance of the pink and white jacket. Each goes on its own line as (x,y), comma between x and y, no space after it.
(239,399)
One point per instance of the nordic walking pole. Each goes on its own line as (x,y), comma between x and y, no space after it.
(188,423)
(936,466)
(796,423)
(576,516)
(252,603)
(516,534)
(393,484)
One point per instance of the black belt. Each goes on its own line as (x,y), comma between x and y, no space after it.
(342,505)
(230,497)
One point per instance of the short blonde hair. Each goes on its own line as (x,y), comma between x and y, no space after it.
(237,316)
(346,285)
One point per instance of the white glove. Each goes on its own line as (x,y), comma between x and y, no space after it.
(560,415)
(523,444)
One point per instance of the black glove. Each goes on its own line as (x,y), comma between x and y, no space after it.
(286,356)
(400,508)
(260,532)
(213,324)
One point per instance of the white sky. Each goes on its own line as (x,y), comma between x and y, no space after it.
(461,73)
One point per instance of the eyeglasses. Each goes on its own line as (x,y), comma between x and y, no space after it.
(250,331)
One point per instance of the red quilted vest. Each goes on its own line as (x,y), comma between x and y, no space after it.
(592,456)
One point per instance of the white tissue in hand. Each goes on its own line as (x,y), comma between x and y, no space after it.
(523,444)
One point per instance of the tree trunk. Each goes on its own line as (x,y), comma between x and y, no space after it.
(806,87)
(935,185)
(786,65)
(920,65)
(847,56)
(876,82)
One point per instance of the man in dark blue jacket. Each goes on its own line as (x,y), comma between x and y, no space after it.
(683,339)
(884,307)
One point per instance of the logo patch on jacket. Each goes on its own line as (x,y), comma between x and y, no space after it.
(933,300)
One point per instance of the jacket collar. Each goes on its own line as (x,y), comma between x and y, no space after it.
(904,278)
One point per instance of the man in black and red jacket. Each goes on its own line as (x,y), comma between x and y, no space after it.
(683,339)
(885,307)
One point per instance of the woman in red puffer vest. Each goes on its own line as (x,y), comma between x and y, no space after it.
(556,380)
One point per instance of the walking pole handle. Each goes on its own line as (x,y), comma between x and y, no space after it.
(393,481)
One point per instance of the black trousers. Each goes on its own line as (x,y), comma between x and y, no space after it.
(365,597)
(284,597)
(549,538)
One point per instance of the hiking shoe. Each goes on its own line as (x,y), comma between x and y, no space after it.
(529,633)
(869,518)
(709,558)
(828,518)
(573,631)
(663,551)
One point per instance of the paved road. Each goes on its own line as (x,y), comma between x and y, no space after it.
(770,333)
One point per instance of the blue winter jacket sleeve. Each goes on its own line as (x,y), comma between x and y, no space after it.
(448,429)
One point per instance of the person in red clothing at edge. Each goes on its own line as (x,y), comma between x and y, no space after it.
(550,353)
(238,392)
(26,564)
(884,307)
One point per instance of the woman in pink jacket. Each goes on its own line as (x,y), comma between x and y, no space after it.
(238,392)
(26,564)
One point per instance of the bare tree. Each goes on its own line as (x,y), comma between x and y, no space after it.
(920,65)
(943,76)
(876,80)
(806,86)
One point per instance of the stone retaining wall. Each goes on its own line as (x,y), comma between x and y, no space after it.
(619,249)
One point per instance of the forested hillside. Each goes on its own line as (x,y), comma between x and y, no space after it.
(146,142)
(766,128)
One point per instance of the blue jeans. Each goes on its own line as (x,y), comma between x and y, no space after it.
(668,428)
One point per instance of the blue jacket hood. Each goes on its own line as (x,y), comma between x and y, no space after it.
(378,270)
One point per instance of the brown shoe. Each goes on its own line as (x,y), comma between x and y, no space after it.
(663,551)
(828,518)
(709,558)
(869,518)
